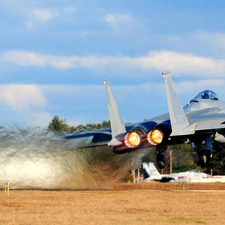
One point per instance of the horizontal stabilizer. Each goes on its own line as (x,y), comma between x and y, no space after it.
(186,131)
(114,142)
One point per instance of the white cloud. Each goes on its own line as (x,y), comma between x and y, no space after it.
(116,20)
(45,14)
(40,15)
(22,96)
(180,63)
(183,63)
(24,58)
(125,25)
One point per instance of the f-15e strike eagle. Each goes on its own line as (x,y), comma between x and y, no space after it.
(199,123)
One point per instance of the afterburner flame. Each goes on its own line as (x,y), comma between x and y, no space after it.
(132,140)
(155,137)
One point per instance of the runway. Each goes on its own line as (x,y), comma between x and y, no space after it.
(170,186)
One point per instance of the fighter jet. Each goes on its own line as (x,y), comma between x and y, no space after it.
(199,123)
(150,173)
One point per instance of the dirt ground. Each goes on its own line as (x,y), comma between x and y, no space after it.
(112,207)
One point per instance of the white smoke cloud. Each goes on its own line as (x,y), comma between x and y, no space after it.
(22,96)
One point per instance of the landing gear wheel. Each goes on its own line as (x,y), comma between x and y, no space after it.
(205,158)
(160,160)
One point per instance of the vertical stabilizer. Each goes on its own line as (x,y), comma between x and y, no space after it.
(150,172)
(117,125)
(178,119)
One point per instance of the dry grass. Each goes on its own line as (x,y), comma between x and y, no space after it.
(112,207)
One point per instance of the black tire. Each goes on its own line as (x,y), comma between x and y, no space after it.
(161,160)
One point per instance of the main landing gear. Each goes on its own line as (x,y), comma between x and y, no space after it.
(202,154)
(202,157)
(160,158)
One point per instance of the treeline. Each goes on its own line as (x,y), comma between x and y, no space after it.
(58,125)
(179,155)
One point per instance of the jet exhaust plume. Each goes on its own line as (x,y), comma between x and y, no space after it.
(34,158)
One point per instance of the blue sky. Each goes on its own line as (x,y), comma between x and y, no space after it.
(55,55)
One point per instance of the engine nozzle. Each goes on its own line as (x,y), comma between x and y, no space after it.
(133,139)
(155,137)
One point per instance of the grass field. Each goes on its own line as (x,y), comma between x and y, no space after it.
(112,207)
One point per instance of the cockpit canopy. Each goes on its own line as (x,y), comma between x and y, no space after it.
(206,94)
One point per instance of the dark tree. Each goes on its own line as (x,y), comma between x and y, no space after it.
(58,125)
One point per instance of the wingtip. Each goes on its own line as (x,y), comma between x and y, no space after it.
(106,83)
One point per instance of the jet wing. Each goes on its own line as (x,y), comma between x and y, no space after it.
(96,138)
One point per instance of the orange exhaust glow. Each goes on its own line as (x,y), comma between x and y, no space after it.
(132,140)
(155,137)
